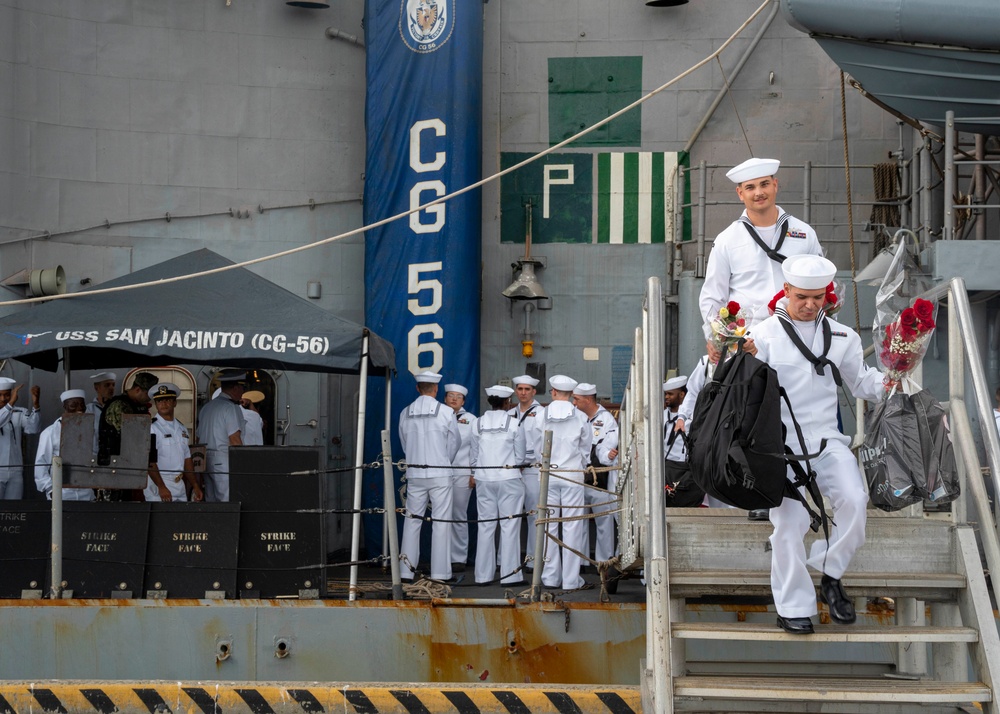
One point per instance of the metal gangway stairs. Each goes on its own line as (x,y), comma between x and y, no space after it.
(919,581)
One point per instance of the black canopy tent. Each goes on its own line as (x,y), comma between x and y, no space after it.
(234,318)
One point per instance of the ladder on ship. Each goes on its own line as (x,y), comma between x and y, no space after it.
(923,563)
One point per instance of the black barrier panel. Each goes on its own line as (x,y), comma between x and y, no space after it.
(278,478)
(192,549)
(104,548)
(281,553)
(25,535)
(282,525)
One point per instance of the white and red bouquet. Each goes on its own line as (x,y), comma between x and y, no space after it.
(729,325)
(904,341)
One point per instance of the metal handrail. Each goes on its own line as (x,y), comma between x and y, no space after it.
(963,350)
(658,634)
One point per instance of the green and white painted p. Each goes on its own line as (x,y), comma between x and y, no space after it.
(608,197)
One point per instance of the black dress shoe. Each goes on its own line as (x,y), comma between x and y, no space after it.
(841,608)
(759,514)
(796,625)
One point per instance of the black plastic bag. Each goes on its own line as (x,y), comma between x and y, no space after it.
(892,454)
(939,480)
(907,454)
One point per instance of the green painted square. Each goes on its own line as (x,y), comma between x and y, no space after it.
(585,90)
(547,183)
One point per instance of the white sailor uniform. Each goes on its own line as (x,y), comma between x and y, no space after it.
(528,422)
(253,427)
(172,449)
(572,437)
(429,434)
(814,401)
(601,504)
(14,421)
(676,451)
(461,488)
(738,269)
(48,446)
(220,418)
(497,441)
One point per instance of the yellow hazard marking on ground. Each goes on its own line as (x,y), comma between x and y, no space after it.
(297,698)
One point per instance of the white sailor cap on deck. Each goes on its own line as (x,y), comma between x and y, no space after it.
(675,383)
(427,377)
(103,377)
(72,394)
(499,391)
(585,390)
(6,383)
(753,169)
(562,383)
(525,379)
(808,272)
(456,388)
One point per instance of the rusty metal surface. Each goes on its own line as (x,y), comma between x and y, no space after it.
(571,643)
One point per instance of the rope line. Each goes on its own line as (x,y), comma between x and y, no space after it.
(421,207)
(850,202)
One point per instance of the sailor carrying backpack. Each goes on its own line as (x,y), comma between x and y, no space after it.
(736,444)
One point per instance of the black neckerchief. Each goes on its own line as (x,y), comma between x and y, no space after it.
(530,412)
(772,253)
(817,362)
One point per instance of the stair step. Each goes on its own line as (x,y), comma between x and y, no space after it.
(924,586)
(831,690)
(824,633)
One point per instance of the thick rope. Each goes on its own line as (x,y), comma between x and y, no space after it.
(850,201)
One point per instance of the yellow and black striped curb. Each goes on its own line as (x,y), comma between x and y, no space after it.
(299,698)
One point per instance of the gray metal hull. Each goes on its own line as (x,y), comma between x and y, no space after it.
(924,81)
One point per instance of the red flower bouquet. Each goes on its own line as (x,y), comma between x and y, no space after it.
(904,342)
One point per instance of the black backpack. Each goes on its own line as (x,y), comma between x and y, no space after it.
(736,443)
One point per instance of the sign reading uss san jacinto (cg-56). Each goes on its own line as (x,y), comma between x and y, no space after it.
(201,339)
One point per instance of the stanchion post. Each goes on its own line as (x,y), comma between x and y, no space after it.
(55,591)
(359,454)
(390,516)
(540,518)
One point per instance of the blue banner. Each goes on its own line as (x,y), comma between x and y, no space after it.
(422,273)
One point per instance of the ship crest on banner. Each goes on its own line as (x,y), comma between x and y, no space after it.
(425,25)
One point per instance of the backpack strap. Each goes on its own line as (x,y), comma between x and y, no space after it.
(530,412)
(805,477)
(673,437)
(820,362)
(772,253)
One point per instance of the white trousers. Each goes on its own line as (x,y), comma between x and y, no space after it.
(11,486)
(530,504)
(499,499)
(562,568)
(217,476)
(602,505)
(840,480)
(460,512)
(419,491)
